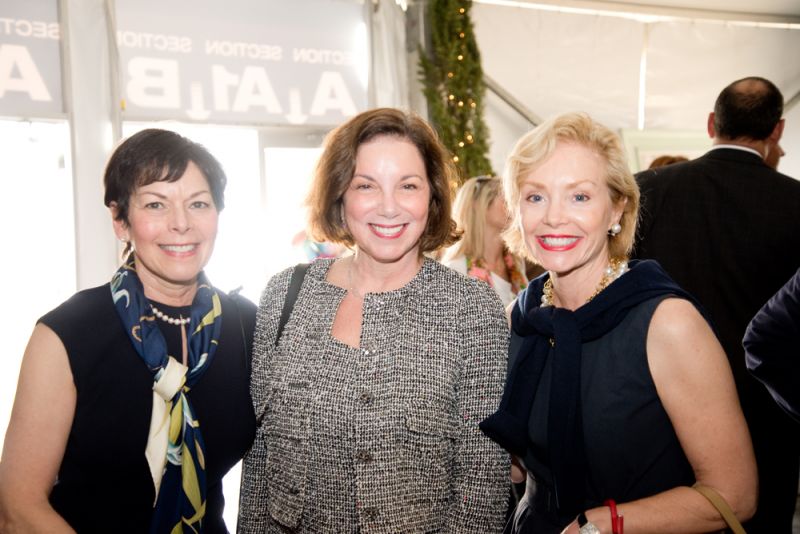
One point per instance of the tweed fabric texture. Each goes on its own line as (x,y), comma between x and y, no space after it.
(382,438)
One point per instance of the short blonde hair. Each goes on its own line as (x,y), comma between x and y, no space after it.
(536,146)
(337,165)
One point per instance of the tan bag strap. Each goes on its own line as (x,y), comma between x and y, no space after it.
(722,507)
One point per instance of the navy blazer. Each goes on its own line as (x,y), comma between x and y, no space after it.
(772,346)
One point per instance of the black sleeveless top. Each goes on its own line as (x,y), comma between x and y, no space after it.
(632,450)
(104,482)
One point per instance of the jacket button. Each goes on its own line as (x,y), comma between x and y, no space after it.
(371,513)
(294,490)
(364,456)
(366,398)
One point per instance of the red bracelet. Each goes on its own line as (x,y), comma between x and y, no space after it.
(616,519)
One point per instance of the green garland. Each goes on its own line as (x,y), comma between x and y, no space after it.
(453,85)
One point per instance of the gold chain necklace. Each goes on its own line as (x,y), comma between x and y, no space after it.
(615,269)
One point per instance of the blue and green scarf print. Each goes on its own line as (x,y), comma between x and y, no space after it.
(175,449)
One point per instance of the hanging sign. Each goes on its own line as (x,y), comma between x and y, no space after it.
(243,61)
(30,59)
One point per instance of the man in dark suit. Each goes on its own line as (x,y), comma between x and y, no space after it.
(726,226)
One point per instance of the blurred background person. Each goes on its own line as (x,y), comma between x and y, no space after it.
(481,215)
(370,399)
(660,161)
(619,396)
(133,396)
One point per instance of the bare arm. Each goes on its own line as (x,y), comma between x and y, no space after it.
(695,385)
(44,407)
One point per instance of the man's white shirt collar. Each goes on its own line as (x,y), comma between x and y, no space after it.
(739,147)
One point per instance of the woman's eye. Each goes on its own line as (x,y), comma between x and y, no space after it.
(154,205)
(535,197)
(410,187)
(200,204)
(581,197)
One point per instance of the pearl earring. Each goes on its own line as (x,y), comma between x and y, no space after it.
(615,229)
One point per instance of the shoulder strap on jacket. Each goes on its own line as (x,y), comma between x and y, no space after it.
(296,281)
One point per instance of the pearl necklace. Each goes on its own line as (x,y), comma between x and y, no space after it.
(615,269)
(167,319)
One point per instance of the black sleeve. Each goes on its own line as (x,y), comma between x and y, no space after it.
(772,346)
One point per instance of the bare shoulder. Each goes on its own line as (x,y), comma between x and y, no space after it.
(681,345)
(674,318)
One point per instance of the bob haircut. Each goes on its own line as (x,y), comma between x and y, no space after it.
(337,165)
(536,146)
(156,155)
(469,211)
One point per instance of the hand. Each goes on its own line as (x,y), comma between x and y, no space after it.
(572,528)
(599,517)
(518,473)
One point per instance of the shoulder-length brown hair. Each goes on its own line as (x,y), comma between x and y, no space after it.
(337,164)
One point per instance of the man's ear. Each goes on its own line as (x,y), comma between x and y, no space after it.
(712,133)
(777,132)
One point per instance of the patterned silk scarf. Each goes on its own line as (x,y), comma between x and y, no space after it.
(175,450)
(477,269)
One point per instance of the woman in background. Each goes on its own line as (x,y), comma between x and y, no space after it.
(133,397)
(369,401)
(619,396)
(481,215)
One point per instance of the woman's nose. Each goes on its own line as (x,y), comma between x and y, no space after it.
(388,206)
(179,219)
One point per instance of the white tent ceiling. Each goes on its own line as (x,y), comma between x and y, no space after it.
(654,66)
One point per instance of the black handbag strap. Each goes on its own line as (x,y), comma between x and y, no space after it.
(298,275)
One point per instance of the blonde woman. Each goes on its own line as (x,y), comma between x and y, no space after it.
(619,397)
(482,216)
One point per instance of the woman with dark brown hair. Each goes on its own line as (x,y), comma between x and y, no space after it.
(370,398)
(133,396)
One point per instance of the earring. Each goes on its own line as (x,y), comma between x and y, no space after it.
(615,229)
(123,240)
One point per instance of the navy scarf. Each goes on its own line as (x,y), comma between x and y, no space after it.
(181,484)
(567,331)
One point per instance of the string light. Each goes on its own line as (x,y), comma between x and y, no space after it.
(460,96)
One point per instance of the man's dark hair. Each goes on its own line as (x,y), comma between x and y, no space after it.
(748,108)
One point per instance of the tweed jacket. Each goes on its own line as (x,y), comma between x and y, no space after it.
(382,438)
